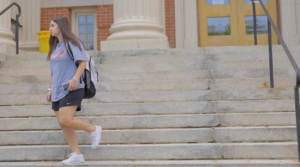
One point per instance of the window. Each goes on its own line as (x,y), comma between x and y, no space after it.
(218,26)
(261,25)
(217,2)
(86,30)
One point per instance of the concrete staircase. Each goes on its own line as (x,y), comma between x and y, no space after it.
(177,107)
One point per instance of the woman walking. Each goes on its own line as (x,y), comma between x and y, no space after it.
(64,70)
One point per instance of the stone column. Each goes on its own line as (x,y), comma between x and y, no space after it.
(137,25)
(288,21)
(6,35)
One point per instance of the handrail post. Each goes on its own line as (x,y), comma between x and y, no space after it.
(297,119)
(270,55)
(17,35)
(254,22)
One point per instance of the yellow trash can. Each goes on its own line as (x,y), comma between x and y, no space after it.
(44,40)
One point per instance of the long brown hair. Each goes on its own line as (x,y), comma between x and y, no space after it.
(67,34)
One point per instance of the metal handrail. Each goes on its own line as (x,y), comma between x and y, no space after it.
(17,24)
(296,68)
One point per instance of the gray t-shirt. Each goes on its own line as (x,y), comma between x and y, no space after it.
(63,68)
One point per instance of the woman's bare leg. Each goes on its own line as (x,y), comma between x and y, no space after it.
(66,119)
(70,136)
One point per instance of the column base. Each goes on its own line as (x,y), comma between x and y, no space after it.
(134,44)
(8,49)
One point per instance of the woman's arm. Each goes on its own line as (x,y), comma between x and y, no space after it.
(49,92)
(73,83)
(81,67)
(50,82)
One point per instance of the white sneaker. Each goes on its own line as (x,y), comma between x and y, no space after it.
(74,159)
(96,136)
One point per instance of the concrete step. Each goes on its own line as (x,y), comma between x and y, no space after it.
(258,119)
(161,96)
(171,51)
(152,76)
(158,121)
(251,106)
(202,107)
(251,83)
(116,87)
(252,73)
(255,64)
(25,71)
(252,56)
(25,80)
(117,97)
(156,136)
(116,122)
(248,49)
(153,86)
(286,150)
(26,64)
(112,109)
(147,136)
(185,163)
(113,68)
(255,94)
(109,77)
(128,67)
(153,96)
(144,59)
(40,56)
(150,67)
(255,134)
(199,95)
(30,76)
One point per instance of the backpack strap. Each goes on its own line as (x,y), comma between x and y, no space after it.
(69,50)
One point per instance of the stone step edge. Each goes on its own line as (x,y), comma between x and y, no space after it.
(135,115)
(186,163)
(163,129)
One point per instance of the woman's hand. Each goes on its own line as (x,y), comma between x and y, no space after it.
(72,85)
(49,98)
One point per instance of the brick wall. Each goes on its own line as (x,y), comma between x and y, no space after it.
(170,22)
(105,16)
(47,14)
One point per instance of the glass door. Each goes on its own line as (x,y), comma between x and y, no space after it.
(218,23)
(246,26)
(230,22)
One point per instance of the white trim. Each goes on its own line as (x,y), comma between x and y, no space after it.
(73,3)
(288,21)
(179,23)
(163,15)
(297,9)
(191,28)
(186,24)
(84,11)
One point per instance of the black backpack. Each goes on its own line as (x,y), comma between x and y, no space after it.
(91,75)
